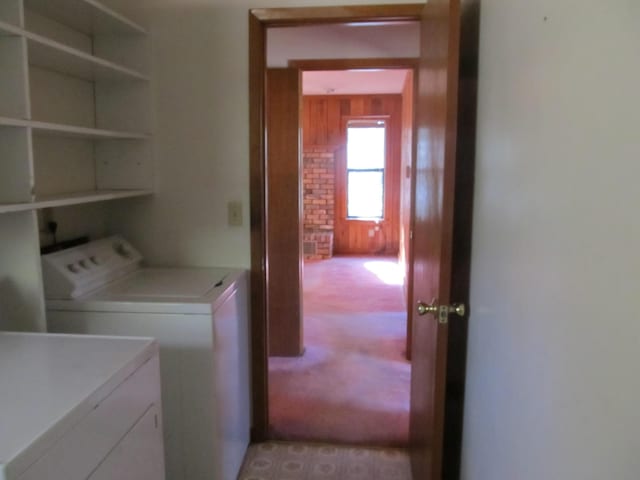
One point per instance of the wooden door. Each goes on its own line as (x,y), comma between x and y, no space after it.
(283,212)
(433,228)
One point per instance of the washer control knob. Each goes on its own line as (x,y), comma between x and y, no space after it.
(72,268)
(122,250)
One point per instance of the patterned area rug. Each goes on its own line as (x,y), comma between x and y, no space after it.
(307,461)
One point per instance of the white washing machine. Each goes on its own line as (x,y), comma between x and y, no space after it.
(199,317)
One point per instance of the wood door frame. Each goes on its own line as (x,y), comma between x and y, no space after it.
(259,21)
(406,63)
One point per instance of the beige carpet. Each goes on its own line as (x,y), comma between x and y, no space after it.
(352,384)
(307,461)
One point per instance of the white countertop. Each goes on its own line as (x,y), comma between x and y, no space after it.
(48,382)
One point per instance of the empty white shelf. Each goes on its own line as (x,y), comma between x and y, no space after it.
(52,55)
(59,130)
(76,198)
(86,16)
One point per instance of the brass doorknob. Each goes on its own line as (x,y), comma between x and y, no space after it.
(424,308)
(441,311)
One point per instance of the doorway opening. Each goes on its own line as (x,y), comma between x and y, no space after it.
(441,216)
(355,183)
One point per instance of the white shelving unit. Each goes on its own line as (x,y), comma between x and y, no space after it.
(71,131)
(74,130)
(53,55)
(86,16)
(75,198)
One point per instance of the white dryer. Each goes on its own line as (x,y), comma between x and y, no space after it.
(78,407)
(199,317)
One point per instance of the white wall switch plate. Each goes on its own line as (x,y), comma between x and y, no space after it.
(234,214)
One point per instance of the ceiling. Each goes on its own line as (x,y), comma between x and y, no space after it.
(353,82)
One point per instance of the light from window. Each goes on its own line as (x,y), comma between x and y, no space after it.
(365,169)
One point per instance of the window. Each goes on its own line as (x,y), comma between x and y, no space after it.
(366,155)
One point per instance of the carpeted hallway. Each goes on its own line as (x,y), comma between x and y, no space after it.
(352,384)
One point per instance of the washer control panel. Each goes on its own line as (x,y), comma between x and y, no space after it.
(79,270)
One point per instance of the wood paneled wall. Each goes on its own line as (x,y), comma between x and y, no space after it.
(284,211)
(324,124)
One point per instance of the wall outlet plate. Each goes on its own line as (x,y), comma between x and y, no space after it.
(234,214)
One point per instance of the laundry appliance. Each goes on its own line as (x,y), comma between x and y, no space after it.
(199,318)
(79,407)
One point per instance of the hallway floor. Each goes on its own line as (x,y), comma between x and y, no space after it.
(352,384)
(303,461)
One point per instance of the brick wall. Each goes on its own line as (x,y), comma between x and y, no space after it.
(318,186)
(318,245)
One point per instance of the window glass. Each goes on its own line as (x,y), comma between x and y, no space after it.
(365,194)
(365,147)
(366,155)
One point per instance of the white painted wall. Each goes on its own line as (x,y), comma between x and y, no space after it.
(342,41)
(201,102)
(553,385)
